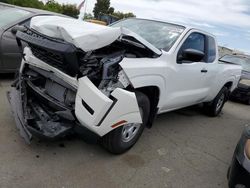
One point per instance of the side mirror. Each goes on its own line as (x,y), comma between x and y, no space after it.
(191,55)
(17,28)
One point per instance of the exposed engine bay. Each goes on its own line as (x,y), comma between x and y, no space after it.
(101,65)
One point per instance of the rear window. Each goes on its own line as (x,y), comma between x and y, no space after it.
(9,15)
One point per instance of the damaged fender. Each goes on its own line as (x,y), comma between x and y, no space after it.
(97,112)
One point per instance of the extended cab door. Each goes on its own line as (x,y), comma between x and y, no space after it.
(188,84)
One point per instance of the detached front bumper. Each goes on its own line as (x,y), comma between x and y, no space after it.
(16,107)
(46,106)
(32,119)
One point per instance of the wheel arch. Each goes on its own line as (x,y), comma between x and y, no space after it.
(153,94)
(228,85)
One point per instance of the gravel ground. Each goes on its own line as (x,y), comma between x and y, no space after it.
(184,149)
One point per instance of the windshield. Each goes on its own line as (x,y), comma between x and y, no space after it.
(243,61)
(9,15)
(161,35)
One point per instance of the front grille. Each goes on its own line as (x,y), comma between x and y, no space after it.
(49,57)
(54,52)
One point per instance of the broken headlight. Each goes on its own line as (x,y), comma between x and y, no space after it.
(113,76)
(111,67)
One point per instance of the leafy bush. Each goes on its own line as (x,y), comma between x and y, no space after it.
(50,5)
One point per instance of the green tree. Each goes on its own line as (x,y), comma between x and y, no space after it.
(111,10)
(53,6)
(121,15)
(70,10)
(25,3)
(101,6)
(88,16)
(4,1)
(50,5)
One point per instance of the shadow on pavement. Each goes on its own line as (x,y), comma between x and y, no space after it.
(7,76)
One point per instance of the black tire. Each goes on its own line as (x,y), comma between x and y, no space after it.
(248,102)
(212,109)
(113,141)
(228,172)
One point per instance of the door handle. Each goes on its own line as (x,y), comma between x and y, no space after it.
(204,71)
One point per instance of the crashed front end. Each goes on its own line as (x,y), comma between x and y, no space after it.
(61,87)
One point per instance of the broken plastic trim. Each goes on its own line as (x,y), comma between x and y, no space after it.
(33,118)
(90,110)
(108,111)
(16,108)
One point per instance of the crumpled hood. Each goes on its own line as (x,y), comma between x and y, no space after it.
(84,35)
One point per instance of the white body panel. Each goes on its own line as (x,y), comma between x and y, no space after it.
(101,104)
(181,85)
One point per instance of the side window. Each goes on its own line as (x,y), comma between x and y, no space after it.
(195,41)
(211,52)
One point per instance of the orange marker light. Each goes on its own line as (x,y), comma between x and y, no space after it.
(118,123)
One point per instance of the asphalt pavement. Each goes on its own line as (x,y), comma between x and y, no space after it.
(184,149)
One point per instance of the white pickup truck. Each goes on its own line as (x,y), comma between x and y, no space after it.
(113,81)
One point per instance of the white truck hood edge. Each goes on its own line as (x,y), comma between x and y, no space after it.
(84,35)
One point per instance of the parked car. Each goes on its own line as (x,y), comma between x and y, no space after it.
(242,92)
(113,81)
(239,170)
(11,17)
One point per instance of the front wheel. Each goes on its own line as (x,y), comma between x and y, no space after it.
(123,138)
(214,108)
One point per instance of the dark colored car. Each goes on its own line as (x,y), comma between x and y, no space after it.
(12,17)
(242,92)
(239,171)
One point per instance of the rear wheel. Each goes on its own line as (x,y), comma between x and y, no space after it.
(123,138)
(214,108)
